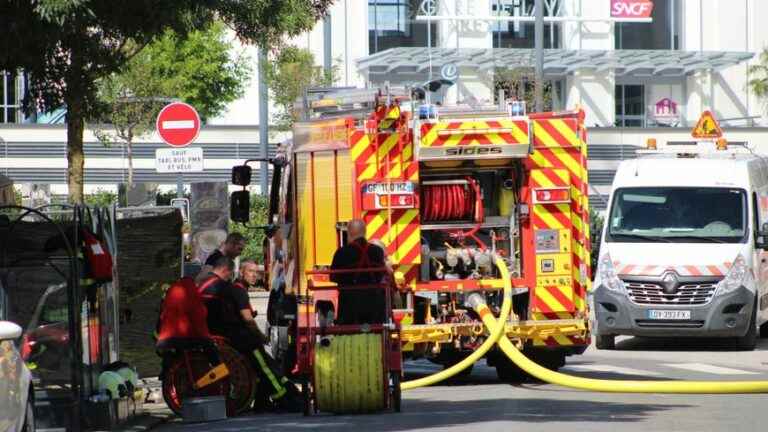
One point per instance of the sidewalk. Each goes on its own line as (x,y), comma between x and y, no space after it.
(154,413)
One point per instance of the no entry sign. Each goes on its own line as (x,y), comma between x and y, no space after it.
(178,124)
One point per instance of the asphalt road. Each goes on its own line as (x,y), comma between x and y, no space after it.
(479,402)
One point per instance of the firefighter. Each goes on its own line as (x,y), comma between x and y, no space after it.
(251,276)
(231,248)
(364,305)
(230,315)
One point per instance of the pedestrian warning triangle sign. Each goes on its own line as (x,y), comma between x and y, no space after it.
(707,127)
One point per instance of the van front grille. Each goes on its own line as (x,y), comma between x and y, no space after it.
(645,293)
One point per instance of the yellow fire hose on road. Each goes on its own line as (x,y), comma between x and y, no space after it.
(497,331)
(497,327)
(623,386)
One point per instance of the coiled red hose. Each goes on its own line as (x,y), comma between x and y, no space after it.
(454,202)
(450,202)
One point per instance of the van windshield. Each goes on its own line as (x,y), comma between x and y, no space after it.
(679,215)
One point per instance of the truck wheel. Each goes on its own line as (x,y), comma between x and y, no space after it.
(764,331)
(508,372)
(605,342)
(748,342)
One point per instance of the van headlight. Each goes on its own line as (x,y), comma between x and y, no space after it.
(607,274)
(738,275)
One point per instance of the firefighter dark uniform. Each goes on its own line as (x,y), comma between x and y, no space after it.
(224,302)
(365,305)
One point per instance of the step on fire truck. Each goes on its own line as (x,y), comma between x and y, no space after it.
(444,189)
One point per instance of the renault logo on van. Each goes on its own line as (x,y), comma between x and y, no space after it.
(669,282)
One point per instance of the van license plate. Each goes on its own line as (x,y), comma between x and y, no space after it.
(669,314)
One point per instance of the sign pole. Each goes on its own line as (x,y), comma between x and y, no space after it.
(263,123)
(539,47)
(180,185)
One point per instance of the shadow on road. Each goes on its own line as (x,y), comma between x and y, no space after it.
(434,414)
(682,344)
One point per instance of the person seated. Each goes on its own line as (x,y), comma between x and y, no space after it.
(230,315)
(183,322)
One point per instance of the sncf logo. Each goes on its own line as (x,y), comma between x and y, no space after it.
(631,8)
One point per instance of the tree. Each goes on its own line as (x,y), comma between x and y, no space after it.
(759,77)
(66,46)
(201,69)
(101,198)
(291,72)
(519,84)
(254,236)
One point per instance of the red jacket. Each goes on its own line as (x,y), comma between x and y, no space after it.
(183,313)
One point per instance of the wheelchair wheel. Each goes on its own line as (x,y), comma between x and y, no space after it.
(242,378)
(177,384)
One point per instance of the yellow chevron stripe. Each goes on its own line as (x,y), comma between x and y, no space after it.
(549,299)
(572,164)
(375,223)
(579,251)
(430,137)
(395,171)
(453,140)
(540,161)
(520,136)
(541,179)
(547,217)
(545,138)
(564,208)
(577,223)
(563,175)
(368,173)
(567,133)
(408,151)
(413,241)
(562,339)
(389,143)
(566,291)
(359,147)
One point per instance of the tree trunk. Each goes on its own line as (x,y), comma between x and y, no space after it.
(75,155)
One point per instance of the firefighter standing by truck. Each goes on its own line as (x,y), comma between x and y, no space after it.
(359,306)
(230,315)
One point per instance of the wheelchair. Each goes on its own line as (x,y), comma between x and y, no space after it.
(207,368)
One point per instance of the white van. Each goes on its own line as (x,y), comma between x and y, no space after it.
(684,247)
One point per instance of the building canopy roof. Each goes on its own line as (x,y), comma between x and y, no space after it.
(557,62)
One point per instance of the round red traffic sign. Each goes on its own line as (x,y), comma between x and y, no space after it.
(178,124)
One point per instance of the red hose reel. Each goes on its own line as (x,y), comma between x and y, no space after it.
(454,201)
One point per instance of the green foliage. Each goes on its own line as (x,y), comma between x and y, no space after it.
(164,198)
(519,84)
(197,69)
(67,46)
(101,198)
(291,71)
(758,74)
(18,196)
(254,236)
(201,69)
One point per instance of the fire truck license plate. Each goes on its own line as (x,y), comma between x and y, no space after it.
(669,314)
(377,196)
(394,187)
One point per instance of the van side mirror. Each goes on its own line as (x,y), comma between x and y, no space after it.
(240,206)
(761,238)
